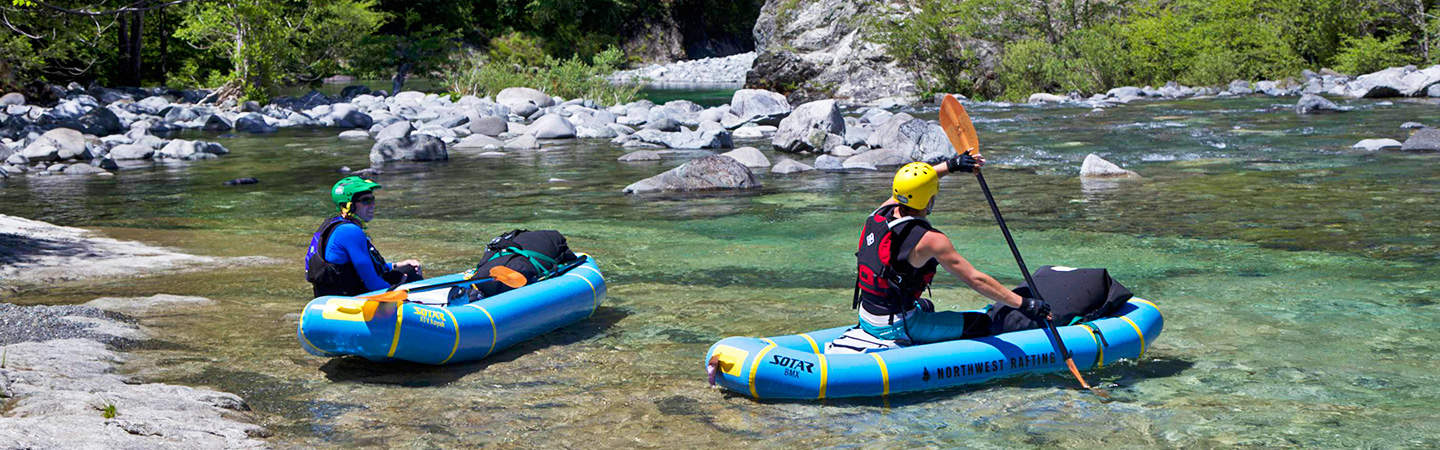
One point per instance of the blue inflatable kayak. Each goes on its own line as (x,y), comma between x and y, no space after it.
(794,366)
(437,334)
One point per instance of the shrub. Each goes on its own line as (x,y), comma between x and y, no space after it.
(1367,54)
(567,78)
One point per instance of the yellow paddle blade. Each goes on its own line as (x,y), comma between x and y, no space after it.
(508,276)
(958,128)
(392,296)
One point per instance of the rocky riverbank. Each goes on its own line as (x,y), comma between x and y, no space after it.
(61,390)
(724,71)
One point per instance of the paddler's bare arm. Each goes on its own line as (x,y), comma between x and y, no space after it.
(938,246)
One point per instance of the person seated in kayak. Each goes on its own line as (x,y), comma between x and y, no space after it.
(341,260)
(899,252)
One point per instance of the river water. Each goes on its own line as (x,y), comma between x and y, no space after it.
(1297,277)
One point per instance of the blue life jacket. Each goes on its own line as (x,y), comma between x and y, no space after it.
(336,279)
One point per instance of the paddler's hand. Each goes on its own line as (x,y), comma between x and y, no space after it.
(965,163)
(1035,308)
(408,263)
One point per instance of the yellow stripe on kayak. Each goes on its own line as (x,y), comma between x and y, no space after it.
(457,335)
(824,373)
(884,374)
(1141,300)
(593,297)
(493,334)
(1099,348)
(399,314)
(755,365)
(302,333)
(1137,333)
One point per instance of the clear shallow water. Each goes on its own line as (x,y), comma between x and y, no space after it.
(1296,275)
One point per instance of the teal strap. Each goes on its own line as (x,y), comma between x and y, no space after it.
(535,258)
(1073,321)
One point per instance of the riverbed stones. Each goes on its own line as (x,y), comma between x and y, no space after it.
(523,142)
(523,101)
(921,139)
(708,173)
(1239,87)
(807,127)
(787,166)
(1424,139)
(1042,97)
(1097,167)
(190,150)
(488,125)
(1377,144)
(684,139)
(884,157)
(759,106)
(217,122)
(552,126)
(749,156)
(13,98)
(353,135)
(1311,103)
(479,141)
(61,144)
(132,152)
(415,147)
(254,123)
(84,169)
(640,155)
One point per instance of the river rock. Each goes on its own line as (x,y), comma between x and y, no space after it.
(1424,139)
(552,126)
(759,106)
(13,98)
(488,125)
(883,157)
(479,141)
(749,156)
(787,165)
(190,150)
(61,144)
(217,122)
(807,127)
(523,101)
(823,49)
(395,130)
(921,140)
(345,115)
(1125,94)
(662,123)
(1311,103)
(415,147)
(1239,87)
(523,142)
(1412,126)
(708,173)
(1042,97)
(254,123)
(640,155)
(1377,144)
(686,139)
(1097,167)
(84,169)
(353,135)
(132,152)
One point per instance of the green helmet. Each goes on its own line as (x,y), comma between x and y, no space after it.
(345,190)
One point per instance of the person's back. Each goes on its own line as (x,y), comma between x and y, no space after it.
(341,259)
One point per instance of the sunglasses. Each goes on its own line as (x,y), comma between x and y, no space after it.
(367,201)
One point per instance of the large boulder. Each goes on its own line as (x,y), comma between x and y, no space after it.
(479,141)
(345,115)
(685,139)
(883,157)
(488,125)
(1385,83)
(1097,167)
(788,165)
(1377,144)
(1311,103)
(921,139)
(254,123)
(825,49)
(640,155)
(395,130)
(759,105)
(749,156)
(1240,87)
(217,122)
(13,98)
(190,150)
(806,129)
(522,100)
(131,152)
(708,173)
(61,144)
(1424,139)
(415,147)
(552,126)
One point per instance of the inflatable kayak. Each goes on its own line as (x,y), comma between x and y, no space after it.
(439,334)
(794,366)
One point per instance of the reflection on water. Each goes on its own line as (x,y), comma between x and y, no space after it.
(1297,277)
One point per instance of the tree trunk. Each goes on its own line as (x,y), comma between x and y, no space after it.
(164,44)
(400,73)
(122,42)
(137,26)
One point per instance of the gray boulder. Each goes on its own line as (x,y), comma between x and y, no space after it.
(61,144)
(523,101)
(920,139)
(131,152)
(177,114)
(759,105)
(415,147)
(686,139)
(13,98)
(1240,87)
(1125,94)
(552,126)
(883,157)
(1042,97)
(806,129)
(479,141)
(353,135)
(1377,144)
(749,156)
(523,142)
(488,125)
(1097,167)
(662,123)
(1385,83)
(1412,126)
(190,150)
(254,123)
(708,173)
(84,169)
(640,155)
(1424,139)
(345,115)
(828,162)
(788,165)
(1311,103)
(395,130)
(217,122)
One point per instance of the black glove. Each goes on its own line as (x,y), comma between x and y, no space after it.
(1034,308)
(962,163)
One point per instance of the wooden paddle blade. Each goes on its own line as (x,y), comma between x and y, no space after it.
(958,128)
(392,296)
(508,276)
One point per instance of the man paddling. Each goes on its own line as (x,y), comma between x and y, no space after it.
(898,255)
(341,260)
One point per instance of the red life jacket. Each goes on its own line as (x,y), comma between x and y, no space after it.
(885,282)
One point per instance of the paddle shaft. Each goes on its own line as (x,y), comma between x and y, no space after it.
(1034,288)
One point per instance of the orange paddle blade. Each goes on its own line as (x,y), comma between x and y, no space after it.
(392,296)
(956,123)
(508,276)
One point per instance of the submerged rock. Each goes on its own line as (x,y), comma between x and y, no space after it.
(708,173)
(416,147)
(1311,103)
(749,156)
(788,165)
(1376,144)
(640,155)
(1097,167)
(1424,139)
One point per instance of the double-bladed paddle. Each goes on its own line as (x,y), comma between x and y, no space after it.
(961,132)
(505,275)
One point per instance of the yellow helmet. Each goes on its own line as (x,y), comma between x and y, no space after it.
(915,184)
